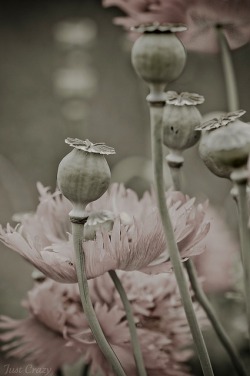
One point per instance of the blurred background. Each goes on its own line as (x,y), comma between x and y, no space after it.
(65,71)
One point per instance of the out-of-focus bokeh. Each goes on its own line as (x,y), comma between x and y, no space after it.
(65,71)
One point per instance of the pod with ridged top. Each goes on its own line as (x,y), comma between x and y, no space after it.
(180,118)
(158,56)
(225,143)
(84,174)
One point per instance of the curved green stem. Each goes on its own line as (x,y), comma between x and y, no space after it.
(132,328)
(245,243)
(157,153)
(212,316)
(229,74)
(85,370)
(77,231)
(206,305)
(175,173)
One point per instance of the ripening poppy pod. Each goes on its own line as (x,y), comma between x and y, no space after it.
(225,143)
(180,118)
(83,174)
(158,56)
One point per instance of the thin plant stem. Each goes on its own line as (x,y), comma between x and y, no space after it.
(175,173)
(212,316)
(176,176)
(78,235)
(59,372)
(229,74)
(132,328)
(245,243)
(86,370)
(157,154)
(207,306)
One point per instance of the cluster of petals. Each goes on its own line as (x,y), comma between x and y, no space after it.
(148,11)
(202,18)
(136,241)
(56,331)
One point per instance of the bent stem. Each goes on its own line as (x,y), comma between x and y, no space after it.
(229,74)
(132,328)
(245,242)
(212,316)
(205,303)
(77,231)
(157,154)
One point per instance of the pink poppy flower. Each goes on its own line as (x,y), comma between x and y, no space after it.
(56,331)
(201,17)
(232,16)
(134,242)
(147,11)
(217,264)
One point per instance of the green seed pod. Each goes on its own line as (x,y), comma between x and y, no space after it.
(83,174)
(225,143)
(180,118)
(158,56)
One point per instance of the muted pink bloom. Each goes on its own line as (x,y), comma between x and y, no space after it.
(56,331)
(202,17)
(136,241)
(217,264)
(232,16)
(147,11)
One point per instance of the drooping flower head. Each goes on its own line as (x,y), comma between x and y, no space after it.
(56,331)
(135,241)
(148,11)
(205,16)
(202,18)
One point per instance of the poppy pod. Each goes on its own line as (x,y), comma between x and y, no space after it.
(225,143)
(83,174)
(180,118)
(158,56)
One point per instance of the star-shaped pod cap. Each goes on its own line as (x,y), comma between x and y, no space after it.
(183,99)
(222,121)
(89,147)
(157,27)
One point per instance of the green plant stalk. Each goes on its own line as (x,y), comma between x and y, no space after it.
(78,235)
(175,173)
(132,328)
(157,154)
(86,370)
(205,303)
(229,74)
(212,316)
(245,243)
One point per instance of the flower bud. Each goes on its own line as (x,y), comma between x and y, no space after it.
(225,143)
(83,174)
(158,56)
(180,118)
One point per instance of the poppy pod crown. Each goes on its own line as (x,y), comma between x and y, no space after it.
(225,143)
(158,56)
(83,174)
(180,118)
